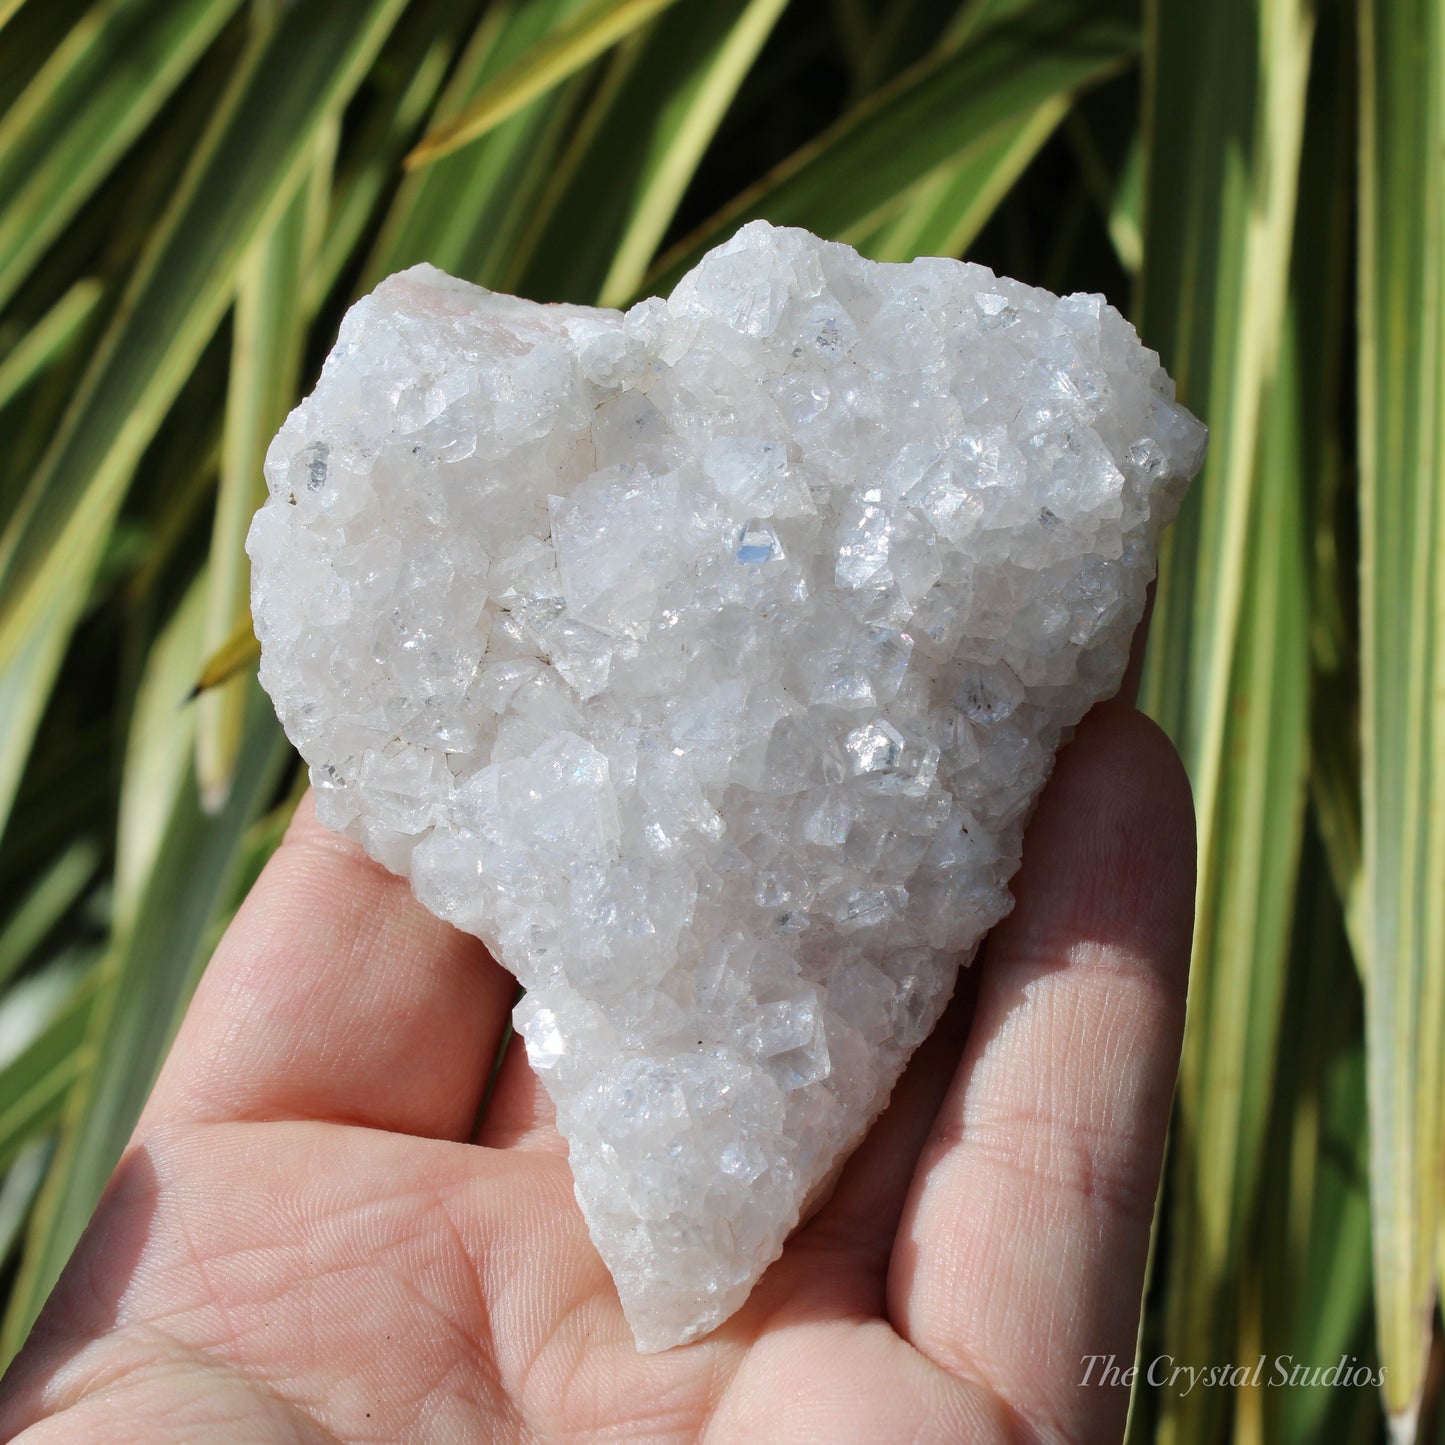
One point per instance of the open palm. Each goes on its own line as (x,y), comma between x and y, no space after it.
(305,1243)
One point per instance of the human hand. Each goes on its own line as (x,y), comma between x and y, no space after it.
(304,1243)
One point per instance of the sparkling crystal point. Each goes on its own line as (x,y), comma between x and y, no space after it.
(705,662)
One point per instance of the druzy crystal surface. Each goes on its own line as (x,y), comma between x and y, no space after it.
(706,661)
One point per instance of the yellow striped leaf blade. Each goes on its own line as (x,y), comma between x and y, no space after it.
(566,49)
(464,211)
(244,169)
(1306,1288)
(946,210)
(175,863)
(97,92)
(1402,621)
(853,174)
(36,1081)
(51,898)
(1228,660)
(268,332)
(1310,1262)
(634,150)
(410,74)
(48,338)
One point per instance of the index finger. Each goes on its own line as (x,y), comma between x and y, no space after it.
(336,996)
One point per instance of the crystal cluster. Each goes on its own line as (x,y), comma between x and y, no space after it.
(705,661)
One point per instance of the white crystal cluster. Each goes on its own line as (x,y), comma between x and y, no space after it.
(706,661)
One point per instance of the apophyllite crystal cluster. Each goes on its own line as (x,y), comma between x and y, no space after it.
(705,661)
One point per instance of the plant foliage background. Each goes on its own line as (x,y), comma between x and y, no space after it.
(191,191)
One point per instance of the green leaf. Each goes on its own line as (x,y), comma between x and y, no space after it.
(17,1194)
(186,458)
(31,35)
(49,337)
(26,677)
(143,986)
(267,336)
(463,212)
(409,76)
(53,895)
(35,1083)
(1401,324)
(948,209)
(1124,228)
(571,180)
(566,49)
(245,169)
(159,743)
(1249,848)
(909,29)
(942,109)
(854,28)
(1312,1258)
(692,101)
(633,151)
(1116,190)
(98,92)
(174,870)
(1324,260)
(975,16)
(1228,656)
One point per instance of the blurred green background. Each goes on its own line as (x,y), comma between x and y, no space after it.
(191,192)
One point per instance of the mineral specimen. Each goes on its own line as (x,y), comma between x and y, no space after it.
(705,661)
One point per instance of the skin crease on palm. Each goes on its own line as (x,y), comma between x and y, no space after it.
(304,1242)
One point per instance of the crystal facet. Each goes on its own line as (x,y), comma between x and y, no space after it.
(706,662)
